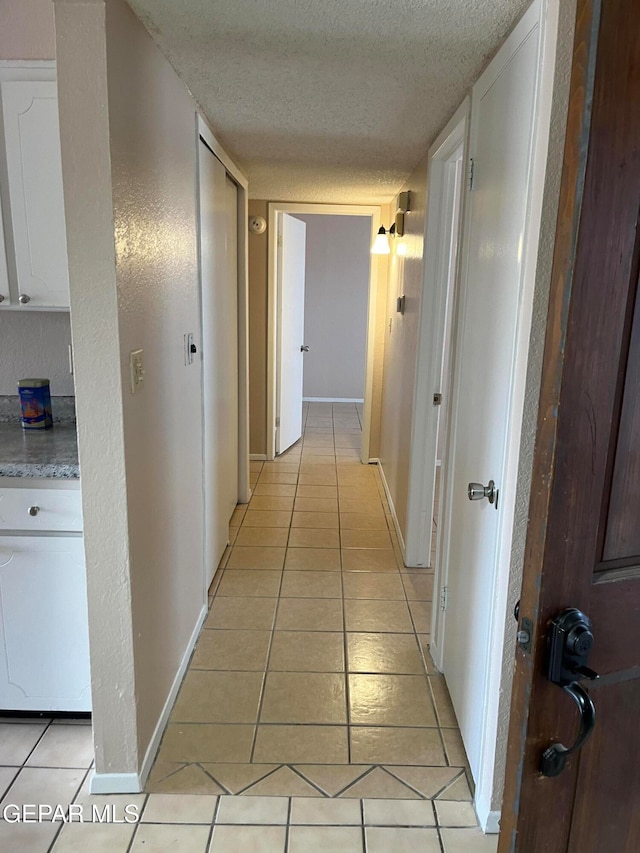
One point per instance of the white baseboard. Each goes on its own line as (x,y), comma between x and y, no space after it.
(332,400)
(393,511)
(258,457)
(133,783)
(489,821)
(114,783)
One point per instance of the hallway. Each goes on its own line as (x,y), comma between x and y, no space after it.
(312,675)
(327,756)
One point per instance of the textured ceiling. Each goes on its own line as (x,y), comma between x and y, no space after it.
(328,100)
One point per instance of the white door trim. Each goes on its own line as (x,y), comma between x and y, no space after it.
(276,208)
(431,337)
(204,130)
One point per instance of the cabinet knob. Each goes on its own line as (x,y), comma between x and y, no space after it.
(23,299)
(33,510)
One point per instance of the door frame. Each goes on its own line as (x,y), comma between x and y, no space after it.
(432,332)
(204,132)
(275,209)
(498,673)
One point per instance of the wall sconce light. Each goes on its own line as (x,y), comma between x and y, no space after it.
(381,244)
(403,206)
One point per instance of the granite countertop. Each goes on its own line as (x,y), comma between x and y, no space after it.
(39,453)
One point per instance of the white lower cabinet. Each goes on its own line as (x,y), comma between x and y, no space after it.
(44,642)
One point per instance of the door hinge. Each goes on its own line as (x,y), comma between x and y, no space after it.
(472,167)
(443,597)
(277,422)
(279,240)
(437,399)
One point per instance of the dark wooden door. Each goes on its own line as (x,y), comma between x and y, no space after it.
(583,544)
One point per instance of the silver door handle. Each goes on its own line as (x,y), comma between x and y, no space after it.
(304,348)
(477,492)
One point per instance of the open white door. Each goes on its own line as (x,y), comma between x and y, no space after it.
(290,355)
(493,329)
(219,298)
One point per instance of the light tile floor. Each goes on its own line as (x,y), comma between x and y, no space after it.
(48,762)
(311,692)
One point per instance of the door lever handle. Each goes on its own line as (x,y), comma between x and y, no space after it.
(570,642)
(554,758)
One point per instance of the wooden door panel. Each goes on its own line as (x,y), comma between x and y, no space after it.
(621,532)
(616,651)
(600,821)
(584,532)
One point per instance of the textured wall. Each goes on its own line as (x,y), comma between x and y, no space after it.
(153,163)
(35,345)
(335,304)
(27,29)
(84,136)
(406,272)
(128,142)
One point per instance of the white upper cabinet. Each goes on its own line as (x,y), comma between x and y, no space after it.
(36,205)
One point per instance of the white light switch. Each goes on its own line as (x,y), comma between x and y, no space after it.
(136,370)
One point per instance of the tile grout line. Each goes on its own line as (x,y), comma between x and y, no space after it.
(288,827)
(266,670)
(137,826)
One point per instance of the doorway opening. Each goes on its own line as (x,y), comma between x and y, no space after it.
(320,346)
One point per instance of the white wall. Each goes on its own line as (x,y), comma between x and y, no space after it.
(406,275)
(27,30)
(35,345)
(336,300)
(128,137)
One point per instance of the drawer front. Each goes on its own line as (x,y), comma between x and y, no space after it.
(40,509)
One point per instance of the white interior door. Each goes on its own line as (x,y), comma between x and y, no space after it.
(291,277)
(219,297)
(502,125)
(432,376)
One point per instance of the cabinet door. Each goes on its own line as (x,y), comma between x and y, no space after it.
(44,643)
(34,165)
(5,300)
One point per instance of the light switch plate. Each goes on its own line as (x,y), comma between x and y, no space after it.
(136,370)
